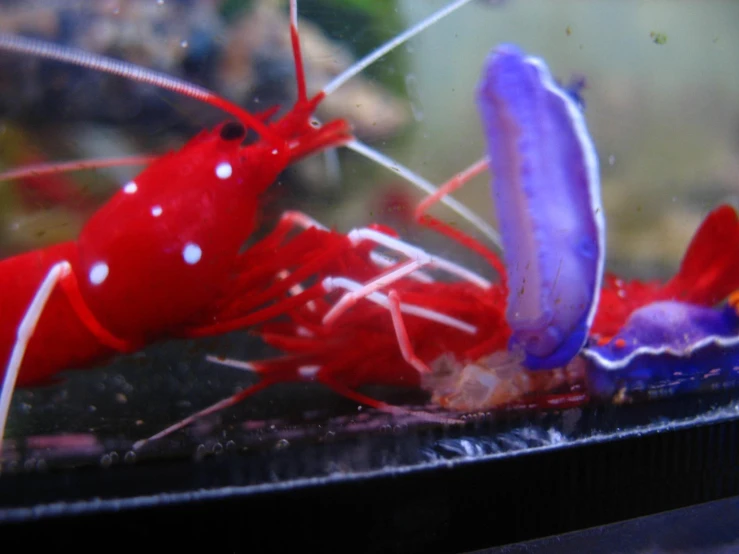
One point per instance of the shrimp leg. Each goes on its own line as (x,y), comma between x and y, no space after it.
(401,333)
(60,274)
(418,258)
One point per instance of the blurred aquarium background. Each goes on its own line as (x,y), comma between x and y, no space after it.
(662,83)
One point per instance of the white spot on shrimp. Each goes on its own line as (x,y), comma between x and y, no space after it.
(308,371)
(192,253)
(156,211)
(130,188)
(304,332)
(224,170)
(98,273)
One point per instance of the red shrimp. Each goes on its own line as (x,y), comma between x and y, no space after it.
(708,273)
(155,259)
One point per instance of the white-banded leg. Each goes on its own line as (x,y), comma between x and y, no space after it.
(417,258)
(307,373)
(453,184)
(391,302)
(418,255)
(25,332)
(304,221)
(60,274)
(467,214)
(213,408)
(401,334)
(334,283)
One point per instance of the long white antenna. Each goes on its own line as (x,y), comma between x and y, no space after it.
(126,70)
(394,43)
(480,224)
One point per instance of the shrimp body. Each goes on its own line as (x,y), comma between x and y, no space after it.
(154,259)
(159,253)
(178,228)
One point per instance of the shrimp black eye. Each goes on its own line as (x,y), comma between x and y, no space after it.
(233,130)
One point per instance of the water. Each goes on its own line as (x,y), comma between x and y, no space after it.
(663,116)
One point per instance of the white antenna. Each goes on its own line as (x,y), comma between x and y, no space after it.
(390,45)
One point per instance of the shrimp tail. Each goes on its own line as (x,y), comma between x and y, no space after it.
(709,271)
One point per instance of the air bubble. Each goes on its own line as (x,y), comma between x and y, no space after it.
(129,457)
(200,452)
(218,448)
(282,444)
(106,461)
